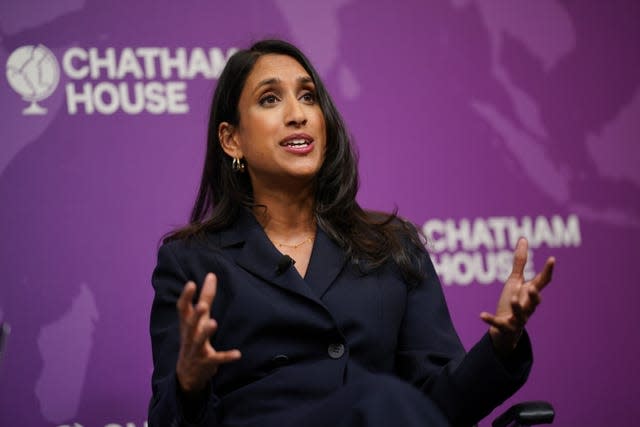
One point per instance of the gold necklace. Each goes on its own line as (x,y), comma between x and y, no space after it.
(296,245)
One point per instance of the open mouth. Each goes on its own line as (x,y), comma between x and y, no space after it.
(297,143)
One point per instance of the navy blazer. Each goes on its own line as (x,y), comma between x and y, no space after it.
(304,339)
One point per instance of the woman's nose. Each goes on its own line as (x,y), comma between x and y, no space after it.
(296,115)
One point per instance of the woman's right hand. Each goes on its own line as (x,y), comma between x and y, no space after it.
(198,361)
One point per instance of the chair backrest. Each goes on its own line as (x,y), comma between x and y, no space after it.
(526,414)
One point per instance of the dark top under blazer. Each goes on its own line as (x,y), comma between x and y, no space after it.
(302,340)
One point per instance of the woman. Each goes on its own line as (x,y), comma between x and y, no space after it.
(338,312)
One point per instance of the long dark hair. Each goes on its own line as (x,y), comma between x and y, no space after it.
(369,239)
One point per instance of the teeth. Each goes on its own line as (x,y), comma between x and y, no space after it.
(297,142)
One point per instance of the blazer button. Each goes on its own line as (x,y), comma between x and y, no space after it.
(280,360)
(335,350)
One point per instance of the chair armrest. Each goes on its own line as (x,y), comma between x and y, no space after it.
(526,414)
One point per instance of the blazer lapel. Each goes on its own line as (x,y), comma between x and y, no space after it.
(327,261)
(259,257)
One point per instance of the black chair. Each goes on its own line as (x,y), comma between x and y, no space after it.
(526,414)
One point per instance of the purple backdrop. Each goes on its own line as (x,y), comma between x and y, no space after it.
(479,120)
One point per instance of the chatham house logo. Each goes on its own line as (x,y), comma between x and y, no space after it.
(33,72)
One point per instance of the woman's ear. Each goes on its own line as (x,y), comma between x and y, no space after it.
(229,141)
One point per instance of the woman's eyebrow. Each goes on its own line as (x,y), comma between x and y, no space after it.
(267,82)
(275,81)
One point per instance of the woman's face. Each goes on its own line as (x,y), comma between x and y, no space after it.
(281,133)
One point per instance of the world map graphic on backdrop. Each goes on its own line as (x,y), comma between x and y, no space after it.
(64,347)
(527,91)
(523,133)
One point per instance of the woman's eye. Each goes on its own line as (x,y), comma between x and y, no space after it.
(309,97)
(268,99)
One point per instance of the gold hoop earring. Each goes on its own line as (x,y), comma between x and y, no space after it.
(237,165)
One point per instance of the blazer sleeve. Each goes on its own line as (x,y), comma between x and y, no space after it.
(166,407)
(466,386)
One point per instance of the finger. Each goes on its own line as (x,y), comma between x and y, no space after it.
(519,258)
(208,292)
(221,357)
(542,279)
(197,323)
(503,326)
(206,328)
(487,317)
(185,308)
(519,314)
(529,300)
(494,321)
(534,296)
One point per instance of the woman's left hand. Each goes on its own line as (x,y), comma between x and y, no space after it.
(518,301)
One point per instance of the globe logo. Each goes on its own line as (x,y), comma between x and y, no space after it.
(33,72)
